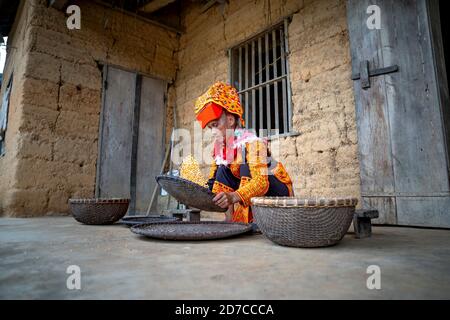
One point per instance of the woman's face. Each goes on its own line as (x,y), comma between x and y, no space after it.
(220,126)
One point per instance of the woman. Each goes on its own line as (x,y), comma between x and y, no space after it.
(242,167)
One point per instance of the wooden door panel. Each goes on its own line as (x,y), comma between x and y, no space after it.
(371,110)
(386,207)
(150,148)
(116,135)
(424,211)
(417,135)
(131,144)
(401,136)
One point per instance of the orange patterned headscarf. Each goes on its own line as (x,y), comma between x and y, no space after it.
(223,95)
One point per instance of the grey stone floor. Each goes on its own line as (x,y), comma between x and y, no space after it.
(116,264)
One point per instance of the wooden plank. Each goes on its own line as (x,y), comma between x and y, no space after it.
(59,4)
(367,213)
(376,164)
(116,135)
(133,15)
(209,4)
(386,207)
(424,212)
(402,138)
(372,115)
(422,164)
(134,144)
(417,133)
(150,144)
(442,77)
(100,131)
(155,5)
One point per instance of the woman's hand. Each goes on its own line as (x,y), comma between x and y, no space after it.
(226,199)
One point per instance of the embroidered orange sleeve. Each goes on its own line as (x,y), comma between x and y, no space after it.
(259,182)
(281,174)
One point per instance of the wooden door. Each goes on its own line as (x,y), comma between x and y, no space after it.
(150,143)
(400,117)
(131,146)
(116,134)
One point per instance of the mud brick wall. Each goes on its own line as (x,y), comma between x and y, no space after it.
(51,142)
(323,159)
(17,49)
(51,149)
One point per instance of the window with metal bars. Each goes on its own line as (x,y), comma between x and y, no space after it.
(259,69)
(4,104)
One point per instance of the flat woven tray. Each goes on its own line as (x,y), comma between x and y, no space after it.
(203,230)
(189,193)
(134,220)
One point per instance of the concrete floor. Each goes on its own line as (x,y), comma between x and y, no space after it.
(116,264)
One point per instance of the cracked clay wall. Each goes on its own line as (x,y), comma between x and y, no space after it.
(51,141)
(323,159)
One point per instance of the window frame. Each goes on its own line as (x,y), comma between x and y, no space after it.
(280,79)
(5,99)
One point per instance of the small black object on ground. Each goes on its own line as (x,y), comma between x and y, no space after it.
(362,223)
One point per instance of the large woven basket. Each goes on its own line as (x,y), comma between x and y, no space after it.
(98,211)
(304,223)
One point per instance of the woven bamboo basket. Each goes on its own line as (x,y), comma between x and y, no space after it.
(98,211)
(200,230)
(306,223)
(189,193)
(136,220)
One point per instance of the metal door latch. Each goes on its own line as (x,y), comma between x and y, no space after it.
(365,74)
